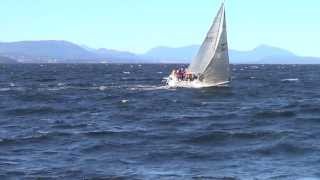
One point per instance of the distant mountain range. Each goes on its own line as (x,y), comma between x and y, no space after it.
(61,52)
(7,60)
(260,55)
(67,52)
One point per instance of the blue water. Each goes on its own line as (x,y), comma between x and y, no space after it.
(121,122)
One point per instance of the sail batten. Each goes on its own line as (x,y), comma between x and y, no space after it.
(212,60)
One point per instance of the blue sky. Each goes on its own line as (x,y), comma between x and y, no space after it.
(138,25)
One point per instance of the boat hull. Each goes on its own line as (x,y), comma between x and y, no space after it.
(175,83)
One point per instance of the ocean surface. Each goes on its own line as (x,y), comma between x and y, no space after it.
(121,122)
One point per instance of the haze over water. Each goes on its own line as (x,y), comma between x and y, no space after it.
(120,121)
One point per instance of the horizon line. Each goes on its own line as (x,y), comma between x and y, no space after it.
(84,46)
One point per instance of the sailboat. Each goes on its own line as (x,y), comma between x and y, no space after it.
(210,67)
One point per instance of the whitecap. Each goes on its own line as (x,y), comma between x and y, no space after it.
(204,103)
(61,84)
(56,88)
(254,67)
(126,72)
(43,132)
(102,88)
(5,89)
(124,101)
(290,80)
(12,85)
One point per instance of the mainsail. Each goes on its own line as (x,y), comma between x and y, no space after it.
(212,60)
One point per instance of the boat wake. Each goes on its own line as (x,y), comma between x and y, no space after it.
(148,88)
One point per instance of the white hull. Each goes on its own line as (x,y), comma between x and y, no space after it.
(173,82)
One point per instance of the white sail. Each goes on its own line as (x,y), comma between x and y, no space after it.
(212,60)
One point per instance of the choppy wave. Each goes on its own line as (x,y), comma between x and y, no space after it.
(275,113)
(284,148)
(235,137)
(36,138)
(94,121)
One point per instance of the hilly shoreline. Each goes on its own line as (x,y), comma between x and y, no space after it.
(53,51)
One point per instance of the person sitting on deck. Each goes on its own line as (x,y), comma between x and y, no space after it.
(189,76)
(182,74)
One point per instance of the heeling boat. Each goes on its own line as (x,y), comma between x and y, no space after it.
(210,67)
